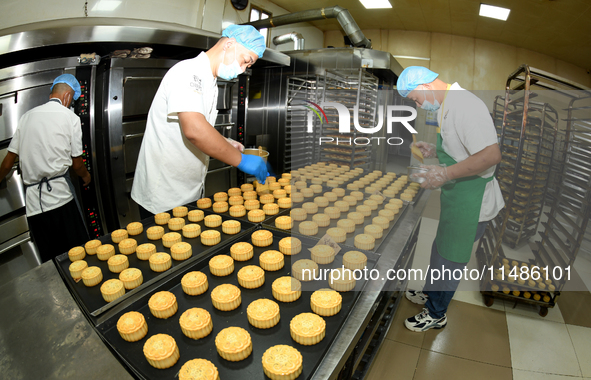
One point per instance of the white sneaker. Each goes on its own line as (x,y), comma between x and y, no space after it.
(416,296)
(423,322)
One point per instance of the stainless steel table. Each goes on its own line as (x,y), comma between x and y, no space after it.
(43,334)
(396,244)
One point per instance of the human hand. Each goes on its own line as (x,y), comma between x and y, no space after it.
(435,177)
(236,145)
(86,180)
(254,165)
(427,149)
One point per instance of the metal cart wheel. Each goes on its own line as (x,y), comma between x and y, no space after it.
(489,301)
(543,311)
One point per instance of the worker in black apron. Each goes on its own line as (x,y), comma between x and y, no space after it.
(468,152)
(47,142)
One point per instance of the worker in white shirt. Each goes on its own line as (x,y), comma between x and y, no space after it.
(180,137)
(48,140)
(468,150)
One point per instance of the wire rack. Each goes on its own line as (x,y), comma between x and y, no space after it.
(352,88)
(565,228)
(301,130)
(527,136)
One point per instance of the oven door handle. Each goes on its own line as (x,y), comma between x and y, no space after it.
(132,136)
(14,242)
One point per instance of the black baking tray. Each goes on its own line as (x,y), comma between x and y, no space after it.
(91,298)
(240,218)
(333,222)
(250,368)
(348,192)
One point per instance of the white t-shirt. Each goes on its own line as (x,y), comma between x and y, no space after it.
(466,129)
(171,170)
(46,139)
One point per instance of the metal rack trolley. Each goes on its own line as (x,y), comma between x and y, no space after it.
(527,136)
(352,88)
(569,213)
(301,131)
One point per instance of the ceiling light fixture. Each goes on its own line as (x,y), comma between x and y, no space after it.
(494,12)
(376,4)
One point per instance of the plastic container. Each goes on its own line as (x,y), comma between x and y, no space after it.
(255,152)
(413,170)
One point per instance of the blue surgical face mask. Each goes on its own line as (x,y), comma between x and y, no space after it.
(231,71)
(427,106)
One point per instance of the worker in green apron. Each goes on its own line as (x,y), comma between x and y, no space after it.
(468,152)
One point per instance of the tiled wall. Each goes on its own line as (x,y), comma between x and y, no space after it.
(211,15)
(474,63)
(478,65)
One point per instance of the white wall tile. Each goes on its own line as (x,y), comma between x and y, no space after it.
(213,15)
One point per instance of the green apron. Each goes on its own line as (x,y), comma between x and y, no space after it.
(460,212)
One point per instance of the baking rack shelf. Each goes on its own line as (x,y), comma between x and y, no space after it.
(528,132)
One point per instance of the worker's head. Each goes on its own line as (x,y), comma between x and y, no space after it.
(418,84)
(66,88)
(237,50)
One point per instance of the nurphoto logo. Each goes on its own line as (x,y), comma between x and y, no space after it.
(393,114)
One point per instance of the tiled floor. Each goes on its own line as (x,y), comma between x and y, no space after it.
(505,341)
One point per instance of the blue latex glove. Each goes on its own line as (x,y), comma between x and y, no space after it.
(254,165)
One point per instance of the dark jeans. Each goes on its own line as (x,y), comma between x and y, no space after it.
(58,230)
(444,288)
(145,213)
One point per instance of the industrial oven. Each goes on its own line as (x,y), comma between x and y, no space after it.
(281,122)
(116,96)
(124,90)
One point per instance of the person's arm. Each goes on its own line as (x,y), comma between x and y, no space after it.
(235,144)
(80,170)
(476,163)
(7,164)
(201,134)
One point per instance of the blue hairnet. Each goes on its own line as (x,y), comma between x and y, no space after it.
(71,81)
(247,36)
(413,76)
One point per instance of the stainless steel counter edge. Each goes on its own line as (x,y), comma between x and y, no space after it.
(359,316)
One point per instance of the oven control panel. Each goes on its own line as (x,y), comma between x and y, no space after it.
(88,194)
(243,81)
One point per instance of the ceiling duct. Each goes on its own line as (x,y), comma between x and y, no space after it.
(296,38)
(341,14)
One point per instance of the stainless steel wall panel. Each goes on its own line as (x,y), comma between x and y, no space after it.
(26,80)
(89,30)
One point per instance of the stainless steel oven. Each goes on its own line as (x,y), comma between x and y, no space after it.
(116,97)
(22,87)
(124,90)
